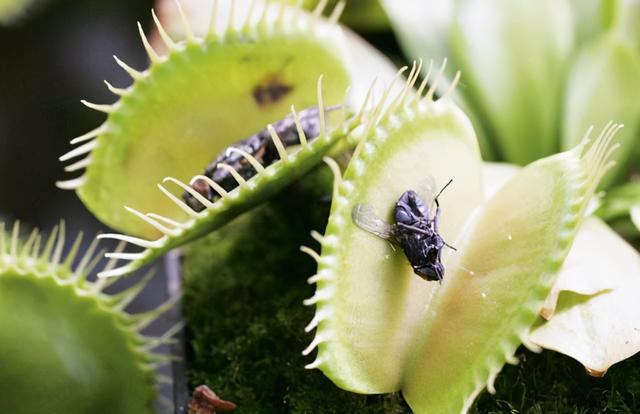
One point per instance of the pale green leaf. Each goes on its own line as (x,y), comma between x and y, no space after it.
(514,57)
(506,264)
(423,30)
(422,27)
(625,21)
(591,17)
(495,175)
(357,50)
(602,329)
(635,215)
(604,85)
(599,260)
(11,10)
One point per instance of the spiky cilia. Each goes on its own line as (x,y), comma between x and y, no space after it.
(380,328)
(268,180)
(210,90)
(66,346)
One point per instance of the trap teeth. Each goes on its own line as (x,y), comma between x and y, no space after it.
(65,294)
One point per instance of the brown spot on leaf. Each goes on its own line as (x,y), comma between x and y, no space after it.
(270,91)
(205,401)
(546,313)
(595,373)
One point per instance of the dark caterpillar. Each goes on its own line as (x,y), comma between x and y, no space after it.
(261,147)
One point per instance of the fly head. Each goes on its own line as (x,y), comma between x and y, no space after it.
(410,208)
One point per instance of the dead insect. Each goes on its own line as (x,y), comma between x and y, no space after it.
(261,147)
(205,401)
(415,231)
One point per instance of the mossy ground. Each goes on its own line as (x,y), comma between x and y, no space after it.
(244,287)
(551,383)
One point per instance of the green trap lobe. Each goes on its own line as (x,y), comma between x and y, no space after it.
(373,299)
(184,110)
(62,354)
(496,285)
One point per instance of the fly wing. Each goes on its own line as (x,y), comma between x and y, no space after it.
(427,191)
(365,218)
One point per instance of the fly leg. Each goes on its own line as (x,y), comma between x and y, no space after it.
(436,216)
(450,246)
(416,229)
(436,220)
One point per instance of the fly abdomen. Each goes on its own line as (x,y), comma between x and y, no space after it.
(261,147)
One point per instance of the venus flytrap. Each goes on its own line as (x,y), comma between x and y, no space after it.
(360,15)
(209,91)
(593,315)
(539,73)
(292,165)
(434,139)
(66,345)
(514,262)
(618,207)
(245,316)
(591,312)
(380,328)
(357,50)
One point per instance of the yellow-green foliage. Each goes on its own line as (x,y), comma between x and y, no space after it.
(66,346)
(207,93)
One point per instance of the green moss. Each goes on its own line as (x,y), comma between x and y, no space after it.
(244,287)
(551,383)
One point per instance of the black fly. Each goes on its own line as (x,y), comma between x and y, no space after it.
(415,231)
(260,146)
